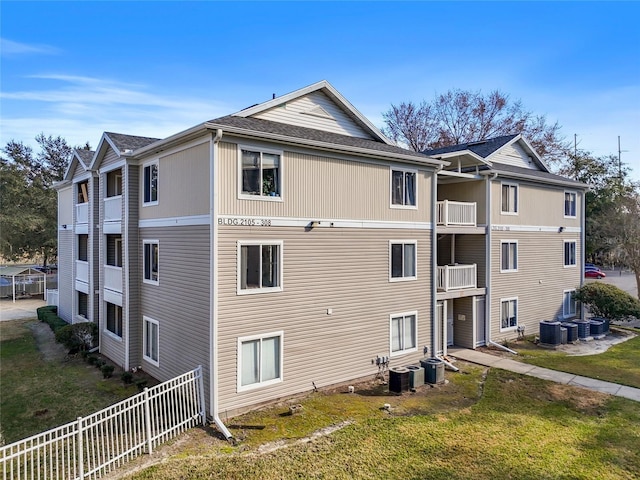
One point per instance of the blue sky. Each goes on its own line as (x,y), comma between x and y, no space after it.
(77,69)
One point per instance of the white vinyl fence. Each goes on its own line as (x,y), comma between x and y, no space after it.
(97,444)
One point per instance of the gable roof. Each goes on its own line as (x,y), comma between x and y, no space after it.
(326,88)
(80,156)
(121,144)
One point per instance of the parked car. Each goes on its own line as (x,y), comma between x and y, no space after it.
(594,272)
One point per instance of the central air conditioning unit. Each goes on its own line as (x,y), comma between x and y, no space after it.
(416,376)
(398,379)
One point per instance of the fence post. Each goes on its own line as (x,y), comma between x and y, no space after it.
(147,419)
(203,410)
(80,450)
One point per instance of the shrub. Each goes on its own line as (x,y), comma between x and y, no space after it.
(141,383)
(77,337)
(608,301)
(45,310)
(107,371)
(99,363)
(127,378)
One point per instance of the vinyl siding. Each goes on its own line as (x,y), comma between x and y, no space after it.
(65,206)
(320,187)
(183,184)
(133,266)
(110,158)
(514,155)
(539,282)
(296,111)
(538,205)
(94,250)
(466,192)
(65,273)
(180,302)
(346,270)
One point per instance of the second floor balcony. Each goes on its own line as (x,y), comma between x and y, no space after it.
(82,271)
(113,278)
(456,214)
(82,213)
(457,277)
(113,209)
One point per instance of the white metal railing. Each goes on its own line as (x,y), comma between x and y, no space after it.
(93,446)
(51,297)
(113,208)
(82,271)
(455,277)
(456,213)
(113,278)
(82,213)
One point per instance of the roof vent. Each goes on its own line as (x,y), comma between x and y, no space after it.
(318,111)
(479,142)
(127,151)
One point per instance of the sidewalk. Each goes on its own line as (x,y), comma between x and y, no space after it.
(24,308)
(489,360)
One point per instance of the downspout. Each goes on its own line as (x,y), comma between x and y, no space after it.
(583,246)
(213,290)
(487,302)
(434,257)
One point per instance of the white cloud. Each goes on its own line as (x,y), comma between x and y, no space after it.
(11,48)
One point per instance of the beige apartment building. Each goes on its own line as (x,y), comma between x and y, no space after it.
(291,245)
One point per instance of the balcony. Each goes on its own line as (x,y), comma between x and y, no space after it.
(457,277)
(456,214)
(82,271)
(113,278)
(113,209)
(82,213)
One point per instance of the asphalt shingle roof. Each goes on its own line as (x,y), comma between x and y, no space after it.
(267,126)
(482,148)
(504,168)
(85,155)
(130,142)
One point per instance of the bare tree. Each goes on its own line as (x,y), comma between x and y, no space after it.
(460,116)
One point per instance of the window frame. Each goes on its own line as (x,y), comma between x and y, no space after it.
(260,243)
(404,171)
(575,204)
(150,202)
(145,334)
(106,330)
(150,281)
(404,316)
(516,186)
(574,302)
(403,278)
(504,300)
(261,151)
(575,254)
(509,270)
(252,386)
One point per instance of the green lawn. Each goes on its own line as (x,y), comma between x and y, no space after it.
(36,395)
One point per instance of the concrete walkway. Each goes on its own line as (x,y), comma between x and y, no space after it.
(489,360)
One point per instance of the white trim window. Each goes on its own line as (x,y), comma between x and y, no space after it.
(260,360)
(508,256)
(403,333)
(150,183)
(259,174)
(508,313)
(403,188)
(151,261)
(570,253)
(569,304)
(114,320)
(402,260)
(259,266)
(570,204)
(151,341)
(509,203)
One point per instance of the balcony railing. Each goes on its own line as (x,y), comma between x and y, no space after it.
(456,277)
(82,213)
(113,209)
(456,213)
(113,278)
(82,271)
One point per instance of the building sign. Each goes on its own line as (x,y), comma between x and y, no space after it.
(244,222)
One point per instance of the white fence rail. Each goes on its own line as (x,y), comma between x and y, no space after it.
(113,208)
(51,296)
(456,213)
(92,446)
(82,213)
(113,278)
(455,277)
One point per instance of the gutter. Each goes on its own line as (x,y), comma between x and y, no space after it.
(533,178)
(213,291)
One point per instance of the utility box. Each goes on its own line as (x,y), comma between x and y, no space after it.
(398,379)
(434,370)
(416,376)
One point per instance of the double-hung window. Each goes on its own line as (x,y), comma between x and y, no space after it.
(151,261)
(259,360)
(150,183)
(403,188)
(259,267)
(402,260)
(151,340)
(404,333)
(508,313)
(570,200)
(569,304)
(260,174)
(508,256)
(114,319)
(570,253)
(510,198)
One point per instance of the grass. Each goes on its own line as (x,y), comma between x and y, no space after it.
(619,364)
(37,395)
(500,426)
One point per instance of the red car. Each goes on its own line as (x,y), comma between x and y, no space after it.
(594,273)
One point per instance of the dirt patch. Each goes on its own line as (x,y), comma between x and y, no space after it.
(46,341)
(586,401)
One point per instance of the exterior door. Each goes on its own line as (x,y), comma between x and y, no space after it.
(440,327)
(480,320)
(449,323)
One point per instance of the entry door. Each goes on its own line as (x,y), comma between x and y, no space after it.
(440,324)
(480,320)
(449,323)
